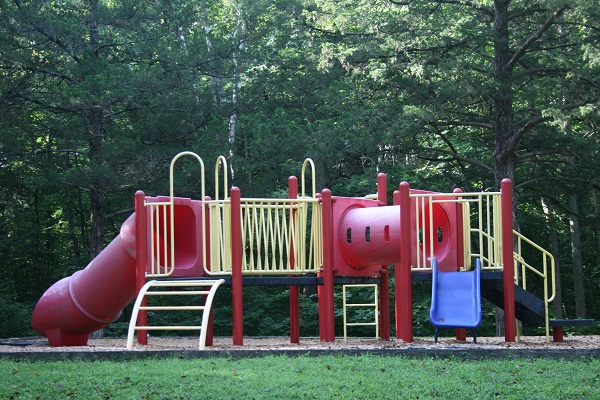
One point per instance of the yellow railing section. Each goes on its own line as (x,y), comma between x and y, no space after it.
(547,272)
(162,244)
(481,221)
(279,236)
(482,238)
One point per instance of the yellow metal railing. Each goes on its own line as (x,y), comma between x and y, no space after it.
(546,273)
(481,232)
(482,238)
(279,236)
(162,220)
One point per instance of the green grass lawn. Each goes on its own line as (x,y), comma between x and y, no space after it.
(305,377)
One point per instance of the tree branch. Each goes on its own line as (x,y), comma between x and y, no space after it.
(532,39)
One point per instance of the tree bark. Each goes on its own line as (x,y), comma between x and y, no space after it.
(576,254)
(505,159)
(95,116)
(553,236)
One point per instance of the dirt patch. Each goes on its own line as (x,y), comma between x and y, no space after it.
(283,343)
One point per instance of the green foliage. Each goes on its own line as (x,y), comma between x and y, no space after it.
(98,97)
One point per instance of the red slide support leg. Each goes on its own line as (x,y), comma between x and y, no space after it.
(236,268)
(508,262)
(326,306)
(403,273)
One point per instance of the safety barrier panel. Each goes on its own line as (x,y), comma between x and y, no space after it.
(546,273)
(205,308)
(162,220)
(279,236)
(482,238)
(374,305)
(481,228)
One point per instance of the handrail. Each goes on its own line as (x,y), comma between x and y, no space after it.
(269,236)
(313,178)
(168,224)
(482,230)
(548,273)
(221,161)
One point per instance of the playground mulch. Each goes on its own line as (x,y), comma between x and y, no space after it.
(573,347)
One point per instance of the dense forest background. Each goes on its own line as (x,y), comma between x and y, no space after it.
(97,96)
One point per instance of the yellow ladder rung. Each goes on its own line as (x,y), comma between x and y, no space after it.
(177,292)
(173,308)
(375,306)
(169,328)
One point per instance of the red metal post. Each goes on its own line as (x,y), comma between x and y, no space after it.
(403,273)
(294,289)
(461,333)
(236,267)
(141,259)
(206,239)
(384,286)
(326,306)
(508,261)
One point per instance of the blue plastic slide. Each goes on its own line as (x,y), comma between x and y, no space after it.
(456,299)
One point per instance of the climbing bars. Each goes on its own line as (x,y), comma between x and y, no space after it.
(146,291)
(374,305)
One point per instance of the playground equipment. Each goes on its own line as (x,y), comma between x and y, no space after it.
(306,239)
(456,299)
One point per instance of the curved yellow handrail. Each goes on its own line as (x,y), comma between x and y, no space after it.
(202,194)
(221,161)
(313,177)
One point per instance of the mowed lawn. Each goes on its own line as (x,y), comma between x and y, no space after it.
(304,377)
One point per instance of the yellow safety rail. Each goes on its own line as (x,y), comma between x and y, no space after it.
(162,261)
(547,272)
(481,229)
(146,291)
(279,236)
(276,236)
(482,238)
(374,304)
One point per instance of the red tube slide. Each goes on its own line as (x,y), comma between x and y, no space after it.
(92,298)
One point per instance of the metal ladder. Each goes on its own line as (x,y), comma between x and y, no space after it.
(206,308)
(374,304)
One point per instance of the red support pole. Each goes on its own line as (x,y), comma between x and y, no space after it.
(384,287)
(326,306)
(141,259)
(236,267)
(294,289)
(210,329)
(403,273)
(508,261)
(461,333)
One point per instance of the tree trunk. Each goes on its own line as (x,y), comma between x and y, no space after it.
(553,237)
(505,145)
(95,116)
(505,159)
(576,253)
